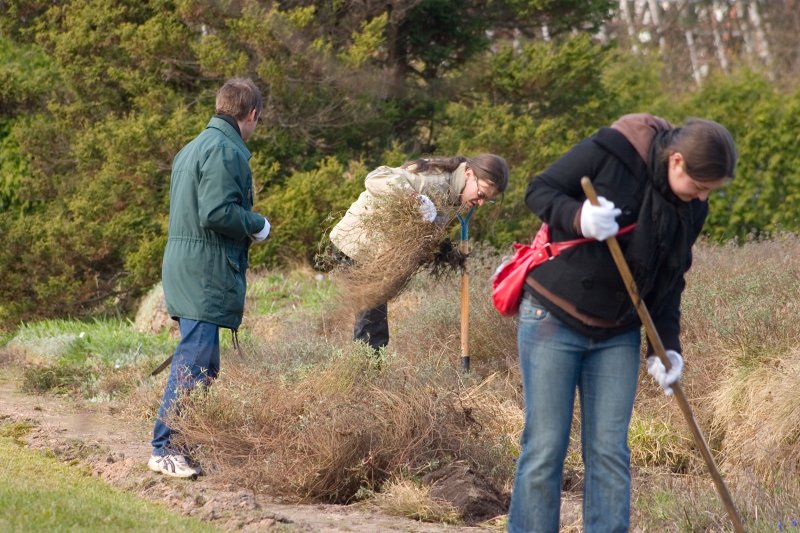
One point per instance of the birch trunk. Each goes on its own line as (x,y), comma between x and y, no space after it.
(627,16)
(719,46)
(696,73)
(761,43)
(655,15)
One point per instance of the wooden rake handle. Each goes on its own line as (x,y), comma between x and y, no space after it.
(658,346)
(464,249)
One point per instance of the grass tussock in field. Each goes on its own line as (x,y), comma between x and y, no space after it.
(348,424)
(758,411)
(404,497)
(742,332)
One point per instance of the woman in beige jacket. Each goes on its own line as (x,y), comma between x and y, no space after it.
(466,182)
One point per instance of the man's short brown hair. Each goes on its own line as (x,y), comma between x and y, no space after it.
(238,97)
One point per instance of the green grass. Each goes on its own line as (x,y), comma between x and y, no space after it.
(654,442)
(298,288)
(5,336)
(110,342)
(99,359)
(15,431)
(38,493)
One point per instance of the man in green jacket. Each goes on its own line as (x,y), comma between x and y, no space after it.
(211,226)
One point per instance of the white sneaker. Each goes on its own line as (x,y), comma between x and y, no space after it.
(172,465)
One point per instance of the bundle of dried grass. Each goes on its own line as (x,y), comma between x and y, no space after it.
(347,426)
(404,497)
(397,242)
(757,411)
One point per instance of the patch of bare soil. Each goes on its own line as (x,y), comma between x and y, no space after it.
(116,450)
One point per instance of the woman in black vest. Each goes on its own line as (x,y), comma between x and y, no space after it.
(577,326)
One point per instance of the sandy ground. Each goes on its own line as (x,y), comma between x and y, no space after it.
(116,450)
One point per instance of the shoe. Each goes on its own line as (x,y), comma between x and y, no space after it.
(172,465)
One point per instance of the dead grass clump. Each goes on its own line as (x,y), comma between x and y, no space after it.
(152,315)
(347,426)
(655,442)
(322,437)
(143,401)
(56,379)
(404,497)
(756,409)
(397,242)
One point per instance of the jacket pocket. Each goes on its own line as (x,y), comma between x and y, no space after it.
(235,276)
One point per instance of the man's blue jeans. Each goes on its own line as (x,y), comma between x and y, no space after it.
(196,360)
(555,360)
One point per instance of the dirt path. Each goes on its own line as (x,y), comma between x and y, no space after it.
(116,450)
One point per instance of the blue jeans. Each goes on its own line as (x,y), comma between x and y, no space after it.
(195,361)
(555,360)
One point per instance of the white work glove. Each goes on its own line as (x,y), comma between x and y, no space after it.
(426,208)
(264,233)
(656,369)
(598,221)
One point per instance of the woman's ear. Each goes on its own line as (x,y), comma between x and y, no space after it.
(676,160)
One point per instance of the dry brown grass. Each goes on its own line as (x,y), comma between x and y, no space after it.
(741,336)
(144,400)
(307,416)
(758,410)
(404,497)
(399,242)
(345,426)
(428,315)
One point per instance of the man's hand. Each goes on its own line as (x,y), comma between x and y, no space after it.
(264,233)
(656,369)
(599,221)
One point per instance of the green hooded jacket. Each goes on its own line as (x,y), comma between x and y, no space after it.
(210,223)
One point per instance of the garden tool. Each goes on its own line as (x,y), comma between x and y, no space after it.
(464,249)
(658,346)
